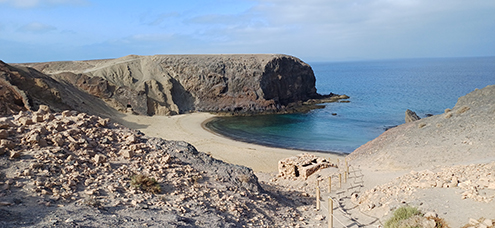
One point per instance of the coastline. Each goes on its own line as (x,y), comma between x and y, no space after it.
(190,128)
(343,154)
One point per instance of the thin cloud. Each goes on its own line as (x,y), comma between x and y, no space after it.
(37,27)
(39,3)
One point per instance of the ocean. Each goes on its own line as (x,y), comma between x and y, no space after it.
(380,92)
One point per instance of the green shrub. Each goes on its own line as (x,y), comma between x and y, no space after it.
(401,214)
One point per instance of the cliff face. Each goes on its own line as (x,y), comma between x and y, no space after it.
(173,84)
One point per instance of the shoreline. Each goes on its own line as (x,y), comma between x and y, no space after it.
(190,128)
(203,125)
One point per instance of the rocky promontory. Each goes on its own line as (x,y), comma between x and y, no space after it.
(175,84)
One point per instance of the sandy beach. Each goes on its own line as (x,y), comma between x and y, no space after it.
(188,127)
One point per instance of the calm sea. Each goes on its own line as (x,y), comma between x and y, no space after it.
(380,92)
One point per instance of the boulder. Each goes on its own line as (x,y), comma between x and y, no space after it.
(4,134)
(411,116)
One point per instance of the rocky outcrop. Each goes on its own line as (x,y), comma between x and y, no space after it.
(173,84)
(119,97)
(411,116)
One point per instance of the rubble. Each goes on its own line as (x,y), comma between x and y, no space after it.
(301,166)
(471,179)
(75,158)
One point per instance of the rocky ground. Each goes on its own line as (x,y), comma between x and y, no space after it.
(71,169)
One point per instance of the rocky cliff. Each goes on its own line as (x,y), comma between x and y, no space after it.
(174,84)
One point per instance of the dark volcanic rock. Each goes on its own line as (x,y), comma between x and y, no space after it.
(238,175)
(411,116)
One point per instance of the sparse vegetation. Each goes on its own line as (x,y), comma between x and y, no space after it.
(401,214)
(145,184)
(463,110)
(439,222)
(411,217)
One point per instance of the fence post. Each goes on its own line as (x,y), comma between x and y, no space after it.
(340,180)
(330,212)
(317,198)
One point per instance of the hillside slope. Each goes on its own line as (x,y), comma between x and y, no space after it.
(462,135)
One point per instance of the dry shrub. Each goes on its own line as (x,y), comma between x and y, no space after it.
(440,222)
(408,217)
(146,184)
(462,110)
(401,214)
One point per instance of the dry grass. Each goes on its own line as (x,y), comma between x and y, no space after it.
(146,184)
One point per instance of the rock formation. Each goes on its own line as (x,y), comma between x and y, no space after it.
(411,116)
(174,84)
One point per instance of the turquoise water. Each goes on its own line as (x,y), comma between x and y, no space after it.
(380,92)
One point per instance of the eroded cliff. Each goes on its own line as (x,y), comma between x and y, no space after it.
(174,84)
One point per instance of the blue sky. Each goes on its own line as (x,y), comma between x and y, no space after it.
(313,30)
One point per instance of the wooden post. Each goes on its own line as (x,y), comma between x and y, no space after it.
(347,167)
(329,184)
(330,212)
(317,198)
(340,180)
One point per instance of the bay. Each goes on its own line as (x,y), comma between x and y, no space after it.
(380,92)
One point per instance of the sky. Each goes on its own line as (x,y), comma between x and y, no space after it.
(313,30)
